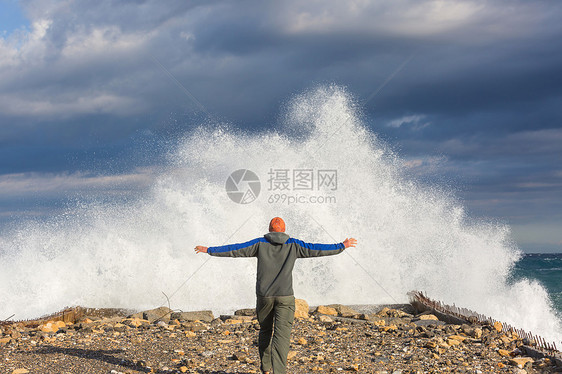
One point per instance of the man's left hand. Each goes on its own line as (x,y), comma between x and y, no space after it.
(201,249)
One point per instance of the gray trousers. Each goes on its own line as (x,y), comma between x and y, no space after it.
(275,315)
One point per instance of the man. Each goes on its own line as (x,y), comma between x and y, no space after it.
(276,253)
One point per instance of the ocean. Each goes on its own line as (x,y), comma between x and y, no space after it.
(546,268)
(329,176)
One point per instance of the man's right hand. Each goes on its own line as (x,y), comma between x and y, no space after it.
(200,249)
(351,242)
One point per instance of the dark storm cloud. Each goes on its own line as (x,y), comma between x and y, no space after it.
(243,58)
(102,52)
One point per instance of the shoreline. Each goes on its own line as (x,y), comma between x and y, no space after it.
(330,339)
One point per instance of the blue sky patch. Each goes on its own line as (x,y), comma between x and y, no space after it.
(11,17)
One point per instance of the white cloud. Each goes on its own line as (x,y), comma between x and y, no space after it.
(103,41)
(538,185)
(427,166)
(40,76)
(68,105)
(410,18)
(416,122)
(187,36)
(24,47)
(48,184)
(398,16)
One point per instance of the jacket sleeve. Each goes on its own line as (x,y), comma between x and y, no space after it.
(305,249)
(247,249)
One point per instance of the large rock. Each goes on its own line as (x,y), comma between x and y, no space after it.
(521,362)
(51,326)
(159,314)
(475,332)
(428,317)
(20,371)
(301,308)
(383,312)
(194,326)
(135,322)
(233,321)
(395,313)
(203,315)
(503,352)
(452,342)
(245,312)
(321,309)
(344,311)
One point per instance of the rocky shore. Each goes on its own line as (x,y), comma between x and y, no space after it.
(326,339)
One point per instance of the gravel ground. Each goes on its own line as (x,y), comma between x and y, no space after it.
(389,341)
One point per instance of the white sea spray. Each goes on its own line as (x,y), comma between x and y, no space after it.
(411,236)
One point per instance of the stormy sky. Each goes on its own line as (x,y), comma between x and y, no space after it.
(468,92)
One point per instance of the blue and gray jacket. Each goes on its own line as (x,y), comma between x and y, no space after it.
(276,253)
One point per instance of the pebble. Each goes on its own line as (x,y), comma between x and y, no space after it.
(387,342)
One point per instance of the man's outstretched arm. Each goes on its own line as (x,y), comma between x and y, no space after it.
(315,249)
(247,249)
